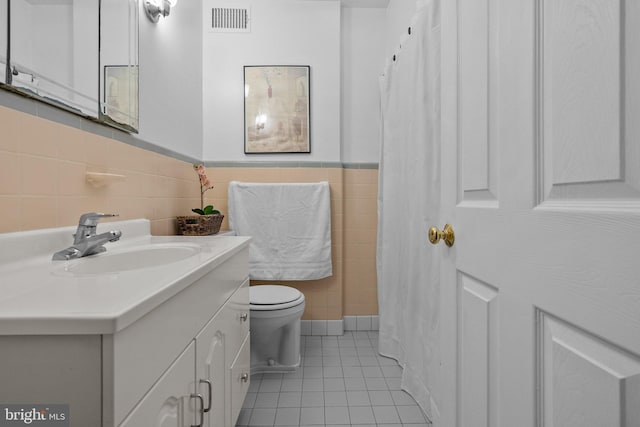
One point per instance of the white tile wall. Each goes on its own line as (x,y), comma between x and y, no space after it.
(361,323)
(338,327)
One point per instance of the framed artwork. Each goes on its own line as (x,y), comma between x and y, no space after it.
(121,94)
(276,109)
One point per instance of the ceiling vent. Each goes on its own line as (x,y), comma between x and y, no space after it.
(230,20)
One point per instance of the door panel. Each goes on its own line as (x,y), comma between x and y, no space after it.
(582,81)
(589,146)
(478,310)
(584,380)
(477,146)
(168,403)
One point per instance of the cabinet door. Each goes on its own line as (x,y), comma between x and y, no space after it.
(211,366)
(240,379)
(168,403)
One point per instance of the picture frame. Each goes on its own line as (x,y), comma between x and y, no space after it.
(277,109)
(120,95)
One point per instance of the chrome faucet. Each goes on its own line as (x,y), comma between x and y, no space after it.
(86,241)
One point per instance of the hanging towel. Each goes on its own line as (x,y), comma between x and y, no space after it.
(290,226)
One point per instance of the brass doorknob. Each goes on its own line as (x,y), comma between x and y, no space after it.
(447,234)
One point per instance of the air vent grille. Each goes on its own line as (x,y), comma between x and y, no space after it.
(230,20)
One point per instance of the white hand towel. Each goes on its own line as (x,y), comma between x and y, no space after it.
(290,226)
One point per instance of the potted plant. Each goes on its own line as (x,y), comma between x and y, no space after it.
(209,219)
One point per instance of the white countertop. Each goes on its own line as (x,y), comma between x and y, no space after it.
(40,296)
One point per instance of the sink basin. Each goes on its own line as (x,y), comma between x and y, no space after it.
(131,259)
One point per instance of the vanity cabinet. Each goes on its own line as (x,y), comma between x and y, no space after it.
(180,399)
(156,369)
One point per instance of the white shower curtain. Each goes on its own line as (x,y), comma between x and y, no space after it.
(408,204)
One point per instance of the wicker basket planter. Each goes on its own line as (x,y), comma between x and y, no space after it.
(199,225)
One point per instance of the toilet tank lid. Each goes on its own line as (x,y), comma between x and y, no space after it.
(272,294)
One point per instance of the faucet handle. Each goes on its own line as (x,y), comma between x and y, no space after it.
(91,219)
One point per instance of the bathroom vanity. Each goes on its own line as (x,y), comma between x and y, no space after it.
(153,332)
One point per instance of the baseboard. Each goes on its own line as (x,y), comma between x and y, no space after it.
(338,327)
(361,323)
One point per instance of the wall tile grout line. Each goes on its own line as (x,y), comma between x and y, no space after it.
(342,381)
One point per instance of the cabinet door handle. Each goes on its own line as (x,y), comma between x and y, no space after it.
(244,377)
(208,383)
(199,397)
(244,317)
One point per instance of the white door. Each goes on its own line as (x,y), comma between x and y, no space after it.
(541,183)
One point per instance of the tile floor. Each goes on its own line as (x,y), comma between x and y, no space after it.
(342,381)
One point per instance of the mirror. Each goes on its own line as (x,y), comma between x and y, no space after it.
(80,55)
(119,63)
(4,25)
(54,52)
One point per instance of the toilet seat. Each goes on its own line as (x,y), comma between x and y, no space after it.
(274,297)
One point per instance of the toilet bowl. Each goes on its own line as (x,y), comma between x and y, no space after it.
(275,328)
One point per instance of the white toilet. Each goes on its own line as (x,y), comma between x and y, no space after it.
(275,328)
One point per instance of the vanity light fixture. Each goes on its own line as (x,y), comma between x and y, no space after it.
(157,8)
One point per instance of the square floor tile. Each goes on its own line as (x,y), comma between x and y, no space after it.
(372,372)
(348,351)
(355,384)
(312,372)
(312,416)
(368,361)
(330,351)
(266,400)
(262,417)
(330,341)
(312,361)
(312,398)
(358,398)
(291,385)
(334,384)
(376,384)
(313,352)
(381,398)
(288,417)
(331,361)
(352,372)
(350,361)
(332,372)
(336,415)
(335,398)
(386,414)
(313,384)
(270,386)
(297,374)
(290,399)
(361,415)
